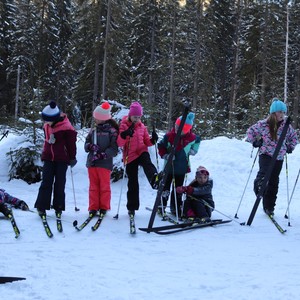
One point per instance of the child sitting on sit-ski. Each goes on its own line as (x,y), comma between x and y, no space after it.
(199,203)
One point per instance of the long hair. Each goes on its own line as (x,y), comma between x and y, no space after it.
(273,125)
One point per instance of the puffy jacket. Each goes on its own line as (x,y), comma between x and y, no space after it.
(107,141)
(63,146)
(7,198)
(187,142)
(261,129)
(133,146)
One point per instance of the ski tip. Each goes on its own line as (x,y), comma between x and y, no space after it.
(75,223)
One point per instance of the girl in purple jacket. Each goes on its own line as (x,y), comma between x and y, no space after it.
(265,135)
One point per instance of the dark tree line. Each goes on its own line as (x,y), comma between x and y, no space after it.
(228,57)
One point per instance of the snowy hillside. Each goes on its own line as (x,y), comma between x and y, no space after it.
(225,262)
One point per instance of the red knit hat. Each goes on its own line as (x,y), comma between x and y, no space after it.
(102,112)
(188,122)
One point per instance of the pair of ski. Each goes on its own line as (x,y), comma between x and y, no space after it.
(47,227)
(175,228)
(88,220)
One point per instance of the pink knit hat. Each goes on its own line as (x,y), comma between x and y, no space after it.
(135,109)
(102,112)
(202,170)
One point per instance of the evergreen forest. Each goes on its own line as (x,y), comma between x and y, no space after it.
(229,57)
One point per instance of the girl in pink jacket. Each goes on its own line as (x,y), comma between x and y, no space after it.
(135,140)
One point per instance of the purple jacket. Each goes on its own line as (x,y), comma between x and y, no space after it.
(261,129)
(7,198)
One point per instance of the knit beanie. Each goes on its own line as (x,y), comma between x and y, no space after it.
(102,112)
(202,170)
(51,112)
(277,105)
(135,109)
(188,122)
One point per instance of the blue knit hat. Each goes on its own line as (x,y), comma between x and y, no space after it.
(51,112)
(277,105)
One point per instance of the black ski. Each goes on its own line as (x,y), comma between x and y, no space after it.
(175,226)
(6,279)
(280,229)
(46,225)
(58,222)
(14,224)
(194,226)
(270,169)
(132,224)
(168,165)
(87,221)
(99,221)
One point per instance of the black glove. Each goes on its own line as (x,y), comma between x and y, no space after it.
(289,150)
(22,205)
(127,132)
(154,137)
(257,143)
(73,162)
(5,209)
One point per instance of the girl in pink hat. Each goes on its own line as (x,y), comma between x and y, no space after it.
(135,140)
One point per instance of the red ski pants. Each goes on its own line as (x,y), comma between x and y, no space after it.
(99,190)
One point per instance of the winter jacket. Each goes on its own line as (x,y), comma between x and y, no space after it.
(107,142)
(203,191)
(60,141)
(188,142)
(7,198)
(134,146)
(261,129)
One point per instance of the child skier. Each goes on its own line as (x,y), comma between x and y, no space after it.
(199,203)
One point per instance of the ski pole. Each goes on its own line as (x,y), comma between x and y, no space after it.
(287,210)
(287,189)
(212,208)
(174,193)
(246,184)
(156,153)
(76,209)
(122,183)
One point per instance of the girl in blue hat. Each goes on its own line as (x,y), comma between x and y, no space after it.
(265,135)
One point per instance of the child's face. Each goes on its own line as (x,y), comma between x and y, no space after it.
(201,177)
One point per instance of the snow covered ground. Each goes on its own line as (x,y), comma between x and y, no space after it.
(225,262)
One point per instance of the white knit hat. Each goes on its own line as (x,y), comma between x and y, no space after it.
(51,112)
(102,112)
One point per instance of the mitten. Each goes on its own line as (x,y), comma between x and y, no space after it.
(192,152)
(180,189)
(22,205)
(5,209)
(73,162)
(189,190)
(93,147)
(99,156)
(154,137)
(127,132)
(289,150)
(257,143)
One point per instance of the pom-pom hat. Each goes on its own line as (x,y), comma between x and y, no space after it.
(135,109)
(201,170)
(277,105)
(102,112)
(51,112)
(188,122)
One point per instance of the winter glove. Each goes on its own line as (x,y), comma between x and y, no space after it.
(127,132)
(192,152)
(73,162)
(257,143)
(5,209)
(189,190)
(93,147)
(22,205)
(154,137)
(181,189)
(99,156)
(289,150)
